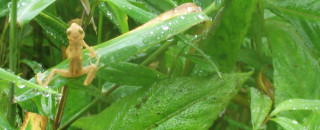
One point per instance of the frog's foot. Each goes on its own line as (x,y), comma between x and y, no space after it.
(39,78)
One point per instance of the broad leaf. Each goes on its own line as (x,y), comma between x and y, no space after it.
(28,9)
(180,103)
(228,31)
(260,107)
(4,124)
(296,70)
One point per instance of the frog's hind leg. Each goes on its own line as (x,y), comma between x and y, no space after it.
(62,72)
(91,71)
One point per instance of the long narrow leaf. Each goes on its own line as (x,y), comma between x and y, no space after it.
(297,104)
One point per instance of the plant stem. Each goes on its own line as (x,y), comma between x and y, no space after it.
(86,108)
(156,53)
(100,27)
(12,61)
(212,7)
(62,104)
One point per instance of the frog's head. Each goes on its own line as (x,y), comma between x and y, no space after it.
(75,32)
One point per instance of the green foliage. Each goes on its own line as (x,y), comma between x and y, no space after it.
(166,75)
(181,103)
(260,107)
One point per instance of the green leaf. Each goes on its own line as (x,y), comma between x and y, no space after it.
(260,107)
(28,9)
(127,45)
(296,70)
(302,8)
(305,20)
(180,103)
(22,83)
(229,30)
(135,12)
(4,10)
(312,122)
(125,73)
(53,28)
(288,124)
(35,66)
(4,124)
(297,104)
(115,15)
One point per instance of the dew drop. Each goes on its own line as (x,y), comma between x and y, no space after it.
(151,33)
(58,97)
(200,16)
(22,86)
(305,107)
(317,108)
(46,94)
(294,108)
(294,122)
(164,27)
(189,9)
(182,17)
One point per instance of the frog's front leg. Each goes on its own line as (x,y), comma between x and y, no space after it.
(62,72)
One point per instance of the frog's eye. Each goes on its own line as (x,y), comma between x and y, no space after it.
(80,31)
(68,32)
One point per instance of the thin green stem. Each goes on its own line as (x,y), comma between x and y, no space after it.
(100,27)
(86,108)
(156,53)
(211,8)
(12,61)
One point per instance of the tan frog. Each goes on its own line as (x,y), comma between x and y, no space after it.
(75,35)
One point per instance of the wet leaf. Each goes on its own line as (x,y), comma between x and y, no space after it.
(228,32)
(295,68)
(22,83)
(53,28)
(28,9)
(179,103)
(260,107)
(35,66)
(115,15)
(288,124)
(297,104)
